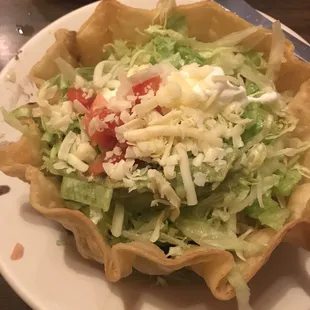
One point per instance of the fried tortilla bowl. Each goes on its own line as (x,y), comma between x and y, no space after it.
(207,22)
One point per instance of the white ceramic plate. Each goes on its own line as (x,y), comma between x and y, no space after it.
(51,277)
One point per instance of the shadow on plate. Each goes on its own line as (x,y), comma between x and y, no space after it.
(75,261)
(285,270)
(33,217)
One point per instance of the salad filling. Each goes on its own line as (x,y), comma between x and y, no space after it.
(174,142)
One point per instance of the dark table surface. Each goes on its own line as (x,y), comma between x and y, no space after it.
(36,14)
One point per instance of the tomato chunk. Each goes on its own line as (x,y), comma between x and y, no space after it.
(99,103)
(143,88)
(104,138)
(96,167)
(79,95)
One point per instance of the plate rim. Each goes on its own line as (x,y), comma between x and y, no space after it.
(32,40)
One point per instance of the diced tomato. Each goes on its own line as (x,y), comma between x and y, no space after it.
(143,88)
(99,103)
(96,167)
(79,95)
(159,110)
(122,145)
(105,139)
(100,108)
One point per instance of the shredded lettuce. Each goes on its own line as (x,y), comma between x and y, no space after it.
(172,238)
(88,193)
(47,137)
(271,214)
(258,115)
(134,236)
(241,289)
(23,111)
(256,60)
(13,121)
(66,69)
(59,81)
(95,214)
(229,61)
(251,87)
(158,226)
(255,76)
(234,38)
(86,72)
(164,48)
(208,235)
(215,175)
(177,22)
(104,224)
(287,182)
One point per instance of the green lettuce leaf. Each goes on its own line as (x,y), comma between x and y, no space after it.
(23,111)
(241,288)
(215,176)
(287,182)
(255,60)
(208,235)
(163,47)
(254,112)
(189,55)
(86,73)
(229,61)
(59,81)
(13,121)
(177,22)
(271,215)
(96,195)
(251,87)
(95,214)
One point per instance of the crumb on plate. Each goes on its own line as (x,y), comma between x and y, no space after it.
(18,252)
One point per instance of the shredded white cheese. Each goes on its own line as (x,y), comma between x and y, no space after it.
(159,184)
(117,220)
(79,82)
(170,131)
(189,186)
(118,171)
(85,152)
(200,179)
(66,145)
(77,163)
(159,224)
